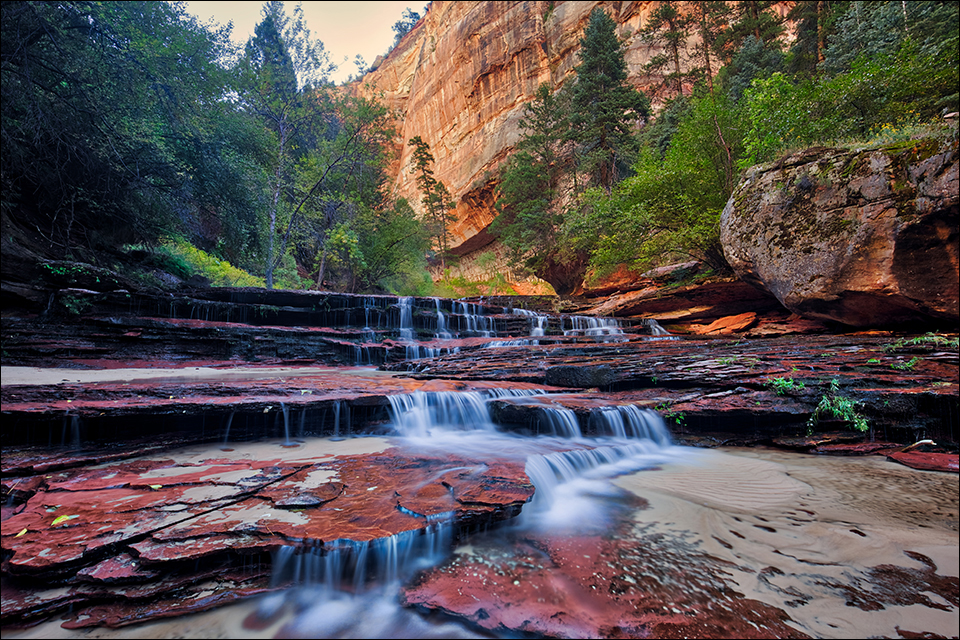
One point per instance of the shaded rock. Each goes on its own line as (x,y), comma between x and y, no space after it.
(583,377)
(861,237)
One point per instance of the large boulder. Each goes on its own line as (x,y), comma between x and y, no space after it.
(862,237)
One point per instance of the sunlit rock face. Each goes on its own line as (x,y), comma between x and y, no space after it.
(460,78)
(862,237)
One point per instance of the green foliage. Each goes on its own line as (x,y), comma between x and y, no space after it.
(436,200)
(603,105)
(785,385)
(910,85)
(403,26)
(101,104)
(219,272)
(671,207)
(670,28)
(840,407)
(906,366)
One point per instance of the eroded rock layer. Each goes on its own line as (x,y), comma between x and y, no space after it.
(862,237)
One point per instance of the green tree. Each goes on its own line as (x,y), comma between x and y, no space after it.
(751,18)
(669,28)
(106,111)
(283,66)
(528,195)
(670,208)
(604,107)
(435,198)
(709,20)
(403,26)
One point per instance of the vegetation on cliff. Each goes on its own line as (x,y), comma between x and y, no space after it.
(129,126)
(856,71)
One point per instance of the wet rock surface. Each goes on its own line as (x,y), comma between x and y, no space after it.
(127,533)
(138,487)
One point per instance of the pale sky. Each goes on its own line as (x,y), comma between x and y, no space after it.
(345,28)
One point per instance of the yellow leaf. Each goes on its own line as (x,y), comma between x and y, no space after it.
(60,519)
(156,487)
(20,534)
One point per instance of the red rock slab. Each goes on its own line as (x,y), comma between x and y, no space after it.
(927,461)
(122,568)
(374,496)
(858,448)
(60,527)
(594,587)
(727,324)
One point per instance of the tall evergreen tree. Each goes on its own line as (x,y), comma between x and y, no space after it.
(670,28)
(281,67)
(604,106)
(710,20)
(436,199)
(755,18)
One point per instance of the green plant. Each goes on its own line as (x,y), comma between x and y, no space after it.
(905,366)
(74,305)
(840,407)
(784,385)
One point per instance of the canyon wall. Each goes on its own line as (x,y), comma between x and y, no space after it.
(459,80)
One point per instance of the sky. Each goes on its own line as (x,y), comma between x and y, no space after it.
(345,28)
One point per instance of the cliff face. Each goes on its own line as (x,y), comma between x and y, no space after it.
(460,78)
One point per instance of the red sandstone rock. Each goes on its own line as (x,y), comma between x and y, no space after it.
(927,461)
(729,324)
(862,237)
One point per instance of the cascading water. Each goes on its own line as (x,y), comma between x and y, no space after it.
(477,324)
(602,329)
(406,318)
(442,332)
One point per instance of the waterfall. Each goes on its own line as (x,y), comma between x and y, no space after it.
(538,322)
(604,329)
(442,332)
(630,421)
(477,323)
(561,422)
(417,414)
(350,565)
(406,319)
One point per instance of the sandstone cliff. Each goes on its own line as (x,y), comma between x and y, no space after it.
(460,79)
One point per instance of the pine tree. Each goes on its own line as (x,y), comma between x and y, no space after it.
(604,105)
(709,19)
(436,199)
(670,28)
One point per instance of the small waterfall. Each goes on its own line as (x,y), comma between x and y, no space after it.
(71,430)
(477,323)
(348,565)
(406,318)
(606,329)
(538,322)
(442,332)
(630,421)
(655,328)
(226,432)
(561,422)
(416,414)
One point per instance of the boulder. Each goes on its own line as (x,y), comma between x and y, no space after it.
(583,377)
(861,237)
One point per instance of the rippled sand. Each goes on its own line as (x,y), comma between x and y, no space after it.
(810,530)
(814,536)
